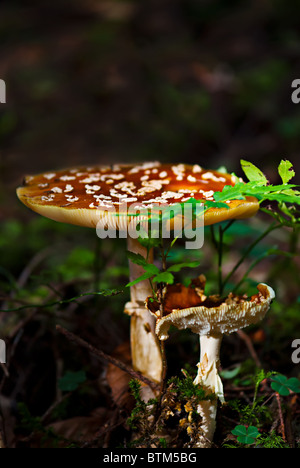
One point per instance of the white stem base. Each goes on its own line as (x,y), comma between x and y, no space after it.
(208,377)
(208,412)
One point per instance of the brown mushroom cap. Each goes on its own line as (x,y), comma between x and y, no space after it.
(82,195)
(188,307)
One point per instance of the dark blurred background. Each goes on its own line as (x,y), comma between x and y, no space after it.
(103,81)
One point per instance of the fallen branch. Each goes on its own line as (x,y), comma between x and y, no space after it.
(282,426)
(103,356)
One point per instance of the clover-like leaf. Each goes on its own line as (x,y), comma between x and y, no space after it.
(245,435)
(282,385)
(71,381)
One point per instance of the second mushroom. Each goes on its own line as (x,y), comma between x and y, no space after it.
(210,317)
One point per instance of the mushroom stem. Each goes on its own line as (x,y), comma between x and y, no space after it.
(145,349)
(208,377)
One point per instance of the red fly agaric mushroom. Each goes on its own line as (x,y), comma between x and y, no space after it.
(91,196)
(210,317)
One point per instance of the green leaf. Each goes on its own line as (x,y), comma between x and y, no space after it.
(136,258)
(253,173)
(245,435)
(144,276)
(294,384)
(179,266)
(275,251)
(150,269)
(173,242)
(284,197)
(282,385)
(285,171)
(212,204)
(230,374)
(164,277)
(230,192)
(71,381)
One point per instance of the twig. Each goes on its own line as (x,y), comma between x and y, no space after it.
(282,427)
(103,356)
(250,346)
(22,324)
(108,292)
(2,444)
(32,265)
(104,430)
(272,227)
(49,411)
(5,370)
(163,381)
(114,423)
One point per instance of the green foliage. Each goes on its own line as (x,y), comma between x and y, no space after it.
(27,421)
(251,436)
(33,425)
(255,412)
(79,264)
(105,293)
(153,272)
(258,413)
(259,377)
(251,413)
(71,381)
(163,442)
(271,440)
(187,390)
(178,406)
(139,418)
(163,277)
(180,266)
(285,171)
(253,173)
(245,435)
(282,385)
(259,187)
(231,373)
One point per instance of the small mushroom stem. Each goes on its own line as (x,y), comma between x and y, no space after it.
(145,349)
(208,377)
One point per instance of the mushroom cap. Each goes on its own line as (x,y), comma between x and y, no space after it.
(188,307)
(84,196)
